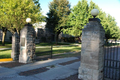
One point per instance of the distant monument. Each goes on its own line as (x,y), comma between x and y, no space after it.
(15,46)
(27,43)
(92,52)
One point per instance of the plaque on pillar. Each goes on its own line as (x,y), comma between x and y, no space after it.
(22,42)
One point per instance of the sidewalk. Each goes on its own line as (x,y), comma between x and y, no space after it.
(52,69)
(5,48)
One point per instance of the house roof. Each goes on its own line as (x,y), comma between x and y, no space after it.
(40,25)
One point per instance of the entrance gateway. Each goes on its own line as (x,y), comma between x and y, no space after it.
(92,51)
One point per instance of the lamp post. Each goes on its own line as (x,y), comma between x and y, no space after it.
(94,12)
(28,20)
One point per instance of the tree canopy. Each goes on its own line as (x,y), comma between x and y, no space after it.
(80,15)
(57,16)
(14,13)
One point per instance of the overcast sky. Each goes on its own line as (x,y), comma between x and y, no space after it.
(111,7)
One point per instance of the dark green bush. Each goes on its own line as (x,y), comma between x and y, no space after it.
(43,39)
(68,39)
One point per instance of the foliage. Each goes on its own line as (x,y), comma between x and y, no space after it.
(13,14)
(57,16)
(68,39)
(78,18)
(80,15)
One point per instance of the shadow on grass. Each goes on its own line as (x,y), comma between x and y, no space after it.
(48,51)
(52,44)
(5,50)
(4,56)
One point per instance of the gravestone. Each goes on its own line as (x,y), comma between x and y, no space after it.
(15,47)
(92,52)
(27,44)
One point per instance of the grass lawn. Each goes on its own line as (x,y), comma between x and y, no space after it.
(66,49)
(77,54)
(9,45)
(43,51)
(5,54)
(54,44)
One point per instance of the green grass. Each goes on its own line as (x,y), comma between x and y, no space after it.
(7,45)
(43,51)
(5,54)
(66,49)
(77,54)
(54,44)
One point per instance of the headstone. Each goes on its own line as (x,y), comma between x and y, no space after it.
(15,47)
(27,44)
(92,52)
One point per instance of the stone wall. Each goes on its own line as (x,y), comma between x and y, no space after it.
(92,52)
(15,47)
(44,35)
(27,44)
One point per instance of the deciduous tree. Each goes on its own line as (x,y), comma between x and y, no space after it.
(80,15)
(57,16)
(13,13)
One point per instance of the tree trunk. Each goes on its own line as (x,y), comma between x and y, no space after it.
(106,40)
(115,40)
(79,39)
(4,30)
(57,38)
(3,39)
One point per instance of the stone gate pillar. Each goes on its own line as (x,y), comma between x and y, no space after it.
(92,52)
(27,43)
(15,47)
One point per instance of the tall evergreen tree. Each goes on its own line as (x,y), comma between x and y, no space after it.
(78,18)
(57,16)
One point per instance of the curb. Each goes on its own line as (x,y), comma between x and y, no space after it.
(6,59)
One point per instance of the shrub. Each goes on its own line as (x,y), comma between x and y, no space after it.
(68,39)
(43,39)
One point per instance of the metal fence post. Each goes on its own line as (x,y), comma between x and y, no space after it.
(51,51)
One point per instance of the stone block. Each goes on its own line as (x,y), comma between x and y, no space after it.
(92,52)
(15,47)
(27,52)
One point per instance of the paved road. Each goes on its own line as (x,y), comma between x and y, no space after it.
(59,71)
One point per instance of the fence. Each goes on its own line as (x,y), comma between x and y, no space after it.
(112,63)
(44,52)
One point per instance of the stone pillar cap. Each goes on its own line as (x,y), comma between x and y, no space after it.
(95,19)
(28,20)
